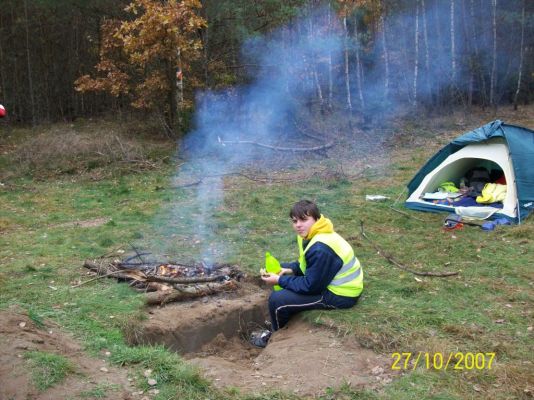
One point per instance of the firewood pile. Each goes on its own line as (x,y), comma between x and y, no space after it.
(164,282)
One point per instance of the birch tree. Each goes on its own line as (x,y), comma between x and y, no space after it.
(453,45)
(346,62)
(425,39)
(329,30)
(416,55)
(385,54)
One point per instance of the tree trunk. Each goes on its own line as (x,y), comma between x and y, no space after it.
(427,51)
(521,55)
(359,77)
(465,33)
(3,90)
(346,54)
(386,56)
(318,86)
(493,79)
(28,65)
(416,55)
(313,66)
(205,43)
(179,82)
(453,46)
(440,49)
(477,65)
(330,77)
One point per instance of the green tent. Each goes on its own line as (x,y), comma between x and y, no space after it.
(495,146)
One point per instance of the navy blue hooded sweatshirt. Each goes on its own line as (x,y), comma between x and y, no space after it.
(322,265)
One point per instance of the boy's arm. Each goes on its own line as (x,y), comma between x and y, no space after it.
(294,266)
(322,265)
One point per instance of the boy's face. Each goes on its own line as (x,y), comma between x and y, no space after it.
(303,225)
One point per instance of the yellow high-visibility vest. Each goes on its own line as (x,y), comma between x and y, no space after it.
(349,279)
(492,193)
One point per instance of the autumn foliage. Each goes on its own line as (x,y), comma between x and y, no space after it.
(141,58)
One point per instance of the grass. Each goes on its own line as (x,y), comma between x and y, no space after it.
(47,369)
(487,307)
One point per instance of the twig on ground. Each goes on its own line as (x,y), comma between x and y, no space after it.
(305,132)
(110,252)
(398,197)
(136,252)
(406,214)
(97,278)
(399,265)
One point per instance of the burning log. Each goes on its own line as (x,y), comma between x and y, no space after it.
(163,283)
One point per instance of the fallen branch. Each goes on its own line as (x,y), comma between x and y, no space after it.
(188,292)
(121,274)
(306,133)
(267,146)
(95,279)
(399,265)
(406,214)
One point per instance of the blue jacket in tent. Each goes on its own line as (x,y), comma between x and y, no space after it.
(520,142)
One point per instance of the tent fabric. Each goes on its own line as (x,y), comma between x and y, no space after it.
(511,147)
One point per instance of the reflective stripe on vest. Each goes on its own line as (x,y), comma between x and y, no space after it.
(340,281)
(349,279)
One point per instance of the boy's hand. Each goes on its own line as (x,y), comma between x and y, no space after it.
(271,279)
(285,271)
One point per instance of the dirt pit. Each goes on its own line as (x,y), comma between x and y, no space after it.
(303,359)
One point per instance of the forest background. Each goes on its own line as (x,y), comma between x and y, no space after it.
(66,59)
(272,101)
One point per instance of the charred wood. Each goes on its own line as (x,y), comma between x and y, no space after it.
(189,292)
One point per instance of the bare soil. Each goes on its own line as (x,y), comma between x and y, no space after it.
(19,334)
(211,333)
(301,358)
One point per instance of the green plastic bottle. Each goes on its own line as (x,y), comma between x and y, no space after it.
(272,266)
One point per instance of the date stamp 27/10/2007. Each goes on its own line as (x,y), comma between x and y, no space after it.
(456,361)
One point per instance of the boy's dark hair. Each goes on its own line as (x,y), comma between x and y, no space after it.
(303,209)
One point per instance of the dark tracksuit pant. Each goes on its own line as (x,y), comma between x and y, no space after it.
(285,303)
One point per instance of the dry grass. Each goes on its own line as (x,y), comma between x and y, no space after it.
(95,151)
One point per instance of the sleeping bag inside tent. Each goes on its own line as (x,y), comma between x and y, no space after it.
(485,173)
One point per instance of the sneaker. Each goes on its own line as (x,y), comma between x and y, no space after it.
(260,338)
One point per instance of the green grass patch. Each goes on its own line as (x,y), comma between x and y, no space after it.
(47,369)
(47,230)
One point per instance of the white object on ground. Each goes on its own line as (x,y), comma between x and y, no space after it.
(375,197)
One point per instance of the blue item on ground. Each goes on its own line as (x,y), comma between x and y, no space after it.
(488,226)
(502,221)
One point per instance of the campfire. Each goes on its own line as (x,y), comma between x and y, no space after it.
(164,282)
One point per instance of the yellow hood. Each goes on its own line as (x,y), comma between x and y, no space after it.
(322,225)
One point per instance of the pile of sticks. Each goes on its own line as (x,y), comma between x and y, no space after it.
(170,281)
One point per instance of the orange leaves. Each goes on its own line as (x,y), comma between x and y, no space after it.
(137,56)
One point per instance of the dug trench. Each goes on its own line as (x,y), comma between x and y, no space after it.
(212,333)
